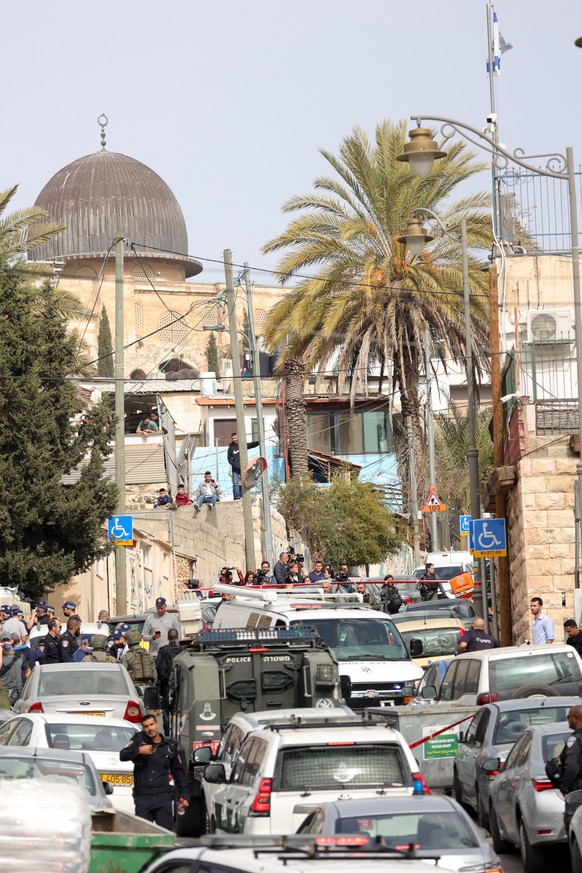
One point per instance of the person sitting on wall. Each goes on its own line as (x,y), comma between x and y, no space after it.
(208,492)
(182,498)
(164,500)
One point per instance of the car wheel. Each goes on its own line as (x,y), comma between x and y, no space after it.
(575,856)
(457,790)
(481,808)
(501,846)
(532,857)
(535,691)
(191,822)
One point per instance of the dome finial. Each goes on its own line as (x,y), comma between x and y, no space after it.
(103,121)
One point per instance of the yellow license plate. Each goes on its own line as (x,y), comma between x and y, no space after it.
(117,778)
(83,712)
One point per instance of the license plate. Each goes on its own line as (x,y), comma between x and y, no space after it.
(84,712)
(117,778)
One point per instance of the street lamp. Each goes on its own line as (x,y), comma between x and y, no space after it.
(415,238)
(557,166)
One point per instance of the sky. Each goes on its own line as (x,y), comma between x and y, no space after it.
(229,101)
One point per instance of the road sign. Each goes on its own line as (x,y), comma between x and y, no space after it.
(433,503)
(254,471)
(120,530)
(464,525)
(489,539)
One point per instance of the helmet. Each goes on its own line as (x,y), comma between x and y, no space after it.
(99,643)
(133,638)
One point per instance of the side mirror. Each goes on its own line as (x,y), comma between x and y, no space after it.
(108,787)
(346,686)
(203,755)
(461,736)
(151,698)
(215,773)
(491,765)
(429,692)
(416,648)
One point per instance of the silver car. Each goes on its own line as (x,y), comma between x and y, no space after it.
(76,767)
(104,690)
(433,825)
(524,810)
(492,732)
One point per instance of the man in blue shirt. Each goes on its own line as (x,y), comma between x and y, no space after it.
(542,625)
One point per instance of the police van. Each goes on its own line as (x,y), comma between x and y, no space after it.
(374,663)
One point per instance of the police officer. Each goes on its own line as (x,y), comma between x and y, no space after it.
(99,652)
(69,642)
(69,608)
(155,759)
(140,665)
(571,758)
(52,648)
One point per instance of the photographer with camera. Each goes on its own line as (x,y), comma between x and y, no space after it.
(263,576)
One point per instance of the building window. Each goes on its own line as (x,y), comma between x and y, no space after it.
(138,315)
(86,273)
(145,555)
(171,328)
(260,320)
(345,432)
(142,271)
(255,429)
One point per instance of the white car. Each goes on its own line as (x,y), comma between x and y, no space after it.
(101,740)
(88,629)
(280,768)
(371,653)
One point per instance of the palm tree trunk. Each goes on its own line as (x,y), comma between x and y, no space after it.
(294,371)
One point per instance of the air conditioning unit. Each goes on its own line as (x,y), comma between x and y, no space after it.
(550,327)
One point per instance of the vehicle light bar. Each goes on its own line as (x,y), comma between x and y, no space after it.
(342,841)
(225,636)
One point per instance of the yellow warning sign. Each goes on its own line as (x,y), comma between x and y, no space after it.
(433,503)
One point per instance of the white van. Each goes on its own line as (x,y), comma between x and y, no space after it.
(447,565)
(366,642)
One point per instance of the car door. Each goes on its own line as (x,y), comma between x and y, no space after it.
(21,734)
(509,781)
(469,755)
(244,786)
(6,731)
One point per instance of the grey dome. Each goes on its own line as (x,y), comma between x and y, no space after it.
(105,195)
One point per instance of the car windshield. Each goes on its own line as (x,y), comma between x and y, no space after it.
(446,573)
(88,737)
(461,608)
(429,830)
(346,764)
(506,675)
(435,641)
(14,767)
(512,724)
(357,639)
(83,681)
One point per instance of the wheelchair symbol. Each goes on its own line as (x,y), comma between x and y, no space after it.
(487,539)
(118,532)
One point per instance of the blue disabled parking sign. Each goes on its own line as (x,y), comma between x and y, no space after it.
(488,538)
(120,530)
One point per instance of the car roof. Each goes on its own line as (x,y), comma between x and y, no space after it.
(74,666)
(72,718)
(428,623)
(273,716)
(310,609)
(52,754)
(430,605)
(512,651)
(320,735)
(408,803)
(532,703)
(557,727)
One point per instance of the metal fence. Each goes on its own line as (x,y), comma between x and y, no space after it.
(548,377)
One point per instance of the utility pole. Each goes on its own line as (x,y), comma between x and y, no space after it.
(240,411)
(430,434)
(120,565)
(413,502)
(265,495)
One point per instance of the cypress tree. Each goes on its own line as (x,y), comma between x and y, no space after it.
(212,356)
(104,348)
(48,530)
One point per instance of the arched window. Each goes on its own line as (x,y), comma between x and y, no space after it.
(86,273)
(171,328)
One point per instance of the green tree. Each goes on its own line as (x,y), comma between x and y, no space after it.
(212,356)
(369,301)
(105,365)
(48,530)
(451,450)
(346,521)
(21,232)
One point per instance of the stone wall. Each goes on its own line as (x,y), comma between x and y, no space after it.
(541,534)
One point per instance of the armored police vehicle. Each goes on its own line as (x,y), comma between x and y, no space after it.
(223,672)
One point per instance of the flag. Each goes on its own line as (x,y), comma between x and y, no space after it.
(499,46)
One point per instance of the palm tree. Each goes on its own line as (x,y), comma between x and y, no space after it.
(368,301)
(21,232)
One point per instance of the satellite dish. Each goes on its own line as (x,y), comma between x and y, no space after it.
(254,471)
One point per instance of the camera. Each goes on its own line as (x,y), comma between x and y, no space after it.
(226,574)
(193,584)
(492,118)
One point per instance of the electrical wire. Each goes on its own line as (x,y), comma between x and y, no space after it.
(98,294)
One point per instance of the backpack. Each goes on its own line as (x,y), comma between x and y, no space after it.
(101,658)
(392,598)
(554,771)
(140,666)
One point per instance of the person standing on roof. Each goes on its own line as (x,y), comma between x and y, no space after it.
(156,627)
(233,458)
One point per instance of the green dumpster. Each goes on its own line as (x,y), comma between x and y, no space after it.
(122,843)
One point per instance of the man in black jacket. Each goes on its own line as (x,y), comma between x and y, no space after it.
(164,664)
(233,457)
(571,759)
(155,758)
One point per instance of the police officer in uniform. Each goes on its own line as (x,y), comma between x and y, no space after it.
(69,642)
(52,647)
(571,758)
(155,759)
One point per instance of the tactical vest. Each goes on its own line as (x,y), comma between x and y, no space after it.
(100,657)
(140,665)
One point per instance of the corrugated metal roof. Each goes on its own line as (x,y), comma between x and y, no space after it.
(144,465)
(229,401)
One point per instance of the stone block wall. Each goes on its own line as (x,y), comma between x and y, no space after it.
(541,534)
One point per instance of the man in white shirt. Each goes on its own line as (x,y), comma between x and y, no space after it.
(156,627)
(207,492)
(15,624)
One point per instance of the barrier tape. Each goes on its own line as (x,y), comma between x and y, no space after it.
(441,731)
